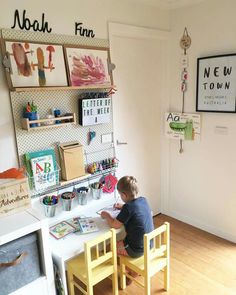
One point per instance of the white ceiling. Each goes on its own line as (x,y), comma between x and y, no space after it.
(168,4)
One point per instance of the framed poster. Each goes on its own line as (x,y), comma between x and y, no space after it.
(182,126)
(88,66)
(36,64)
(216,84)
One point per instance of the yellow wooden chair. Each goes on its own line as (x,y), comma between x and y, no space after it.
(155,258)
(94,265)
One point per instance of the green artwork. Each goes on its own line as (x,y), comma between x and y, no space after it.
(182,126)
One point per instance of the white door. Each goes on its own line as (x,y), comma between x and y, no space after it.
(140,58)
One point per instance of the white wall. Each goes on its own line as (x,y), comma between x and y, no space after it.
(61,16)
(200,189)
(202,179)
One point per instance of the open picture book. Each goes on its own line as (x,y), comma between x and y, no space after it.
(78,225)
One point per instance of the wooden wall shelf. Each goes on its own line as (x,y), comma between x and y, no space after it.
(26,123)
(53,88)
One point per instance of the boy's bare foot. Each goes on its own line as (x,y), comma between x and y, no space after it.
(128,281)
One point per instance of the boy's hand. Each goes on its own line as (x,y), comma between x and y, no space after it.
(105,215)
(118,206)
(112,222)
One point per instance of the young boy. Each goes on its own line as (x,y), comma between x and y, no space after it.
(135,215)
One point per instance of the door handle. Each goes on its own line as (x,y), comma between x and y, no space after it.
(120,143)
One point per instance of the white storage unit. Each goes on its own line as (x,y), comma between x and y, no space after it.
(23,223)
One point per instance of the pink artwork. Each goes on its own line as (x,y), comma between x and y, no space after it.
(88,66)
(34,65)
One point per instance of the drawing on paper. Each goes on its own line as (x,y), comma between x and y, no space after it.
(182,126)
(35,65)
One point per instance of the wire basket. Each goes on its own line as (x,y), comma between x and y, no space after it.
(103,165)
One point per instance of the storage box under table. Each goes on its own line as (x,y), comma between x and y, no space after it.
(19,263)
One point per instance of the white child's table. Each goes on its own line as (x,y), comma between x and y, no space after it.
(73,244)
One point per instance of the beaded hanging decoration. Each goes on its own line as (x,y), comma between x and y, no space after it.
(185,43)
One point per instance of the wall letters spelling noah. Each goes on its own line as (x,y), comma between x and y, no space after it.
(27,24)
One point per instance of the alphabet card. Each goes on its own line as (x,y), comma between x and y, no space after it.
(182,126)
(216,84)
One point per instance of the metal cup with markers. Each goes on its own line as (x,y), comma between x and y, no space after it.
(67,199)
(82,193)
(96,189)
(50,204)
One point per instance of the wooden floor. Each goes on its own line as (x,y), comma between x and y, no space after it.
(201,264)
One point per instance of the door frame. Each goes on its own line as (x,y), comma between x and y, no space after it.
(123,30)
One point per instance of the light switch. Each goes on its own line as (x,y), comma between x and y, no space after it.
(107,138)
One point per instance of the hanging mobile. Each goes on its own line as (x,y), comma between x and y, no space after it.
(185,43)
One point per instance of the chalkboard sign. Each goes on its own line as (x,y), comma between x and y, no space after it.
(94,111)
(216,84)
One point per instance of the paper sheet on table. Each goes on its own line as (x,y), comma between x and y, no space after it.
(111,210)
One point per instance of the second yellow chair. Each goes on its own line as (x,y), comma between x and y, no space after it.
(155,258)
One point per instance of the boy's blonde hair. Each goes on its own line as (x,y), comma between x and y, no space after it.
(128,185)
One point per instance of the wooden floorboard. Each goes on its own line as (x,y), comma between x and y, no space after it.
(201,264)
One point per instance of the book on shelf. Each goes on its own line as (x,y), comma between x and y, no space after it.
(78,225)
(42,169)
(44,174)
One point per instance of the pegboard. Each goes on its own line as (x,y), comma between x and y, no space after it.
(64,99)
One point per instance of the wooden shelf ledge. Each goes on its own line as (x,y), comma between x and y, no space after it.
(26,122)
(53,88)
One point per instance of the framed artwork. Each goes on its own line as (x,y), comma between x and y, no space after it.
(88,66)
(216,84)
(35,64)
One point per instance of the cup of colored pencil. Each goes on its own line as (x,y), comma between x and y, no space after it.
(67,199)
(96,189)
(82,193)
(49,205)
